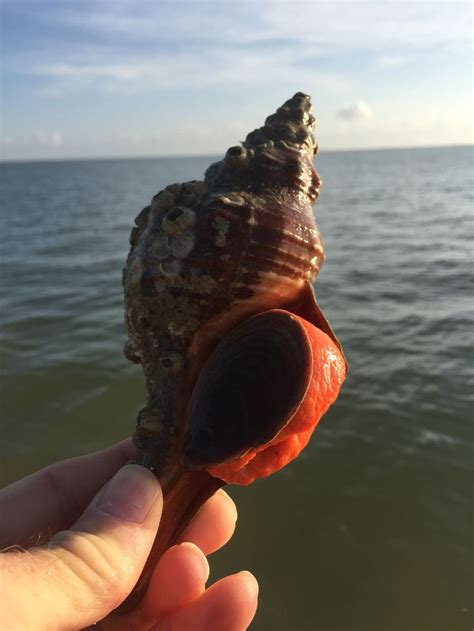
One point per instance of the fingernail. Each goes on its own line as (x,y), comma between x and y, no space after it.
(199,556)
(230,503)
(130,494)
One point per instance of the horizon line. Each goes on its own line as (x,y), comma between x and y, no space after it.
(106,158)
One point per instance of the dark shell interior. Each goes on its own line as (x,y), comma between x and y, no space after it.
(248,390)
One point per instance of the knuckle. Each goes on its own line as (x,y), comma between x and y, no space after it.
(93,565)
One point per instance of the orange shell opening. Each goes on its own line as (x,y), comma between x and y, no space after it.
(329,371)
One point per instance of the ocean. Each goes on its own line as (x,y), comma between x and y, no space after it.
(371,528)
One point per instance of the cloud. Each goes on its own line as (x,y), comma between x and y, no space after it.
(136,46)
(144,76)
(42,138)
(358,111)
(390,23)
(391,61)
(184,69)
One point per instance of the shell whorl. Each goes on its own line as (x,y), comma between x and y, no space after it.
(206,255)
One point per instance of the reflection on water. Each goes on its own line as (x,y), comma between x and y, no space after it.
(371,527)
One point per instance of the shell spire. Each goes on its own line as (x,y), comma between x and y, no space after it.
(277,155)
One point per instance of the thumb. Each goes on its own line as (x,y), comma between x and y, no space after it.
(87,571)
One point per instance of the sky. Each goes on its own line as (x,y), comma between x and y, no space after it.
(118,78)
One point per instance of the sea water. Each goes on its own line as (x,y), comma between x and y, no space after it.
(370,529)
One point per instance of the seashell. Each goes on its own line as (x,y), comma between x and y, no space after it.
(218,304)
(213,253)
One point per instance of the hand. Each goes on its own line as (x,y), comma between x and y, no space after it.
(73,550)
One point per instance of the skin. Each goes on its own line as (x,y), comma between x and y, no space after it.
(74,545)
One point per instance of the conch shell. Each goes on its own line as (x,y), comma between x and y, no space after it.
(218,302)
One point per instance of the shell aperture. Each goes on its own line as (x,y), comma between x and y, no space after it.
(249,388)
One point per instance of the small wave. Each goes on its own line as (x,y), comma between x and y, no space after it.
(86,397)
(428,437)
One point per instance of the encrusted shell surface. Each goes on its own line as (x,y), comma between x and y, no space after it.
(206,255)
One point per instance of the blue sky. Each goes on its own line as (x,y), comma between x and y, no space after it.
(90,78)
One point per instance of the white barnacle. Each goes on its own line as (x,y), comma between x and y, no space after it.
(162,200)
(178,220)
(234,199)
(171,362)
(237,158)
(151,420)
(160,247)
(170,268)
(182,244)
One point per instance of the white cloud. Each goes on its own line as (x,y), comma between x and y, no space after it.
(358,111)
(189,58)
(56,139)
(186,70)
(391,61)
(415,124)
(135,46)
(389,23)
(42,138)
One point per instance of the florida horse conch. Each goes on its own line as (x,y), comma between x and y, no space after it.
(239,361)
